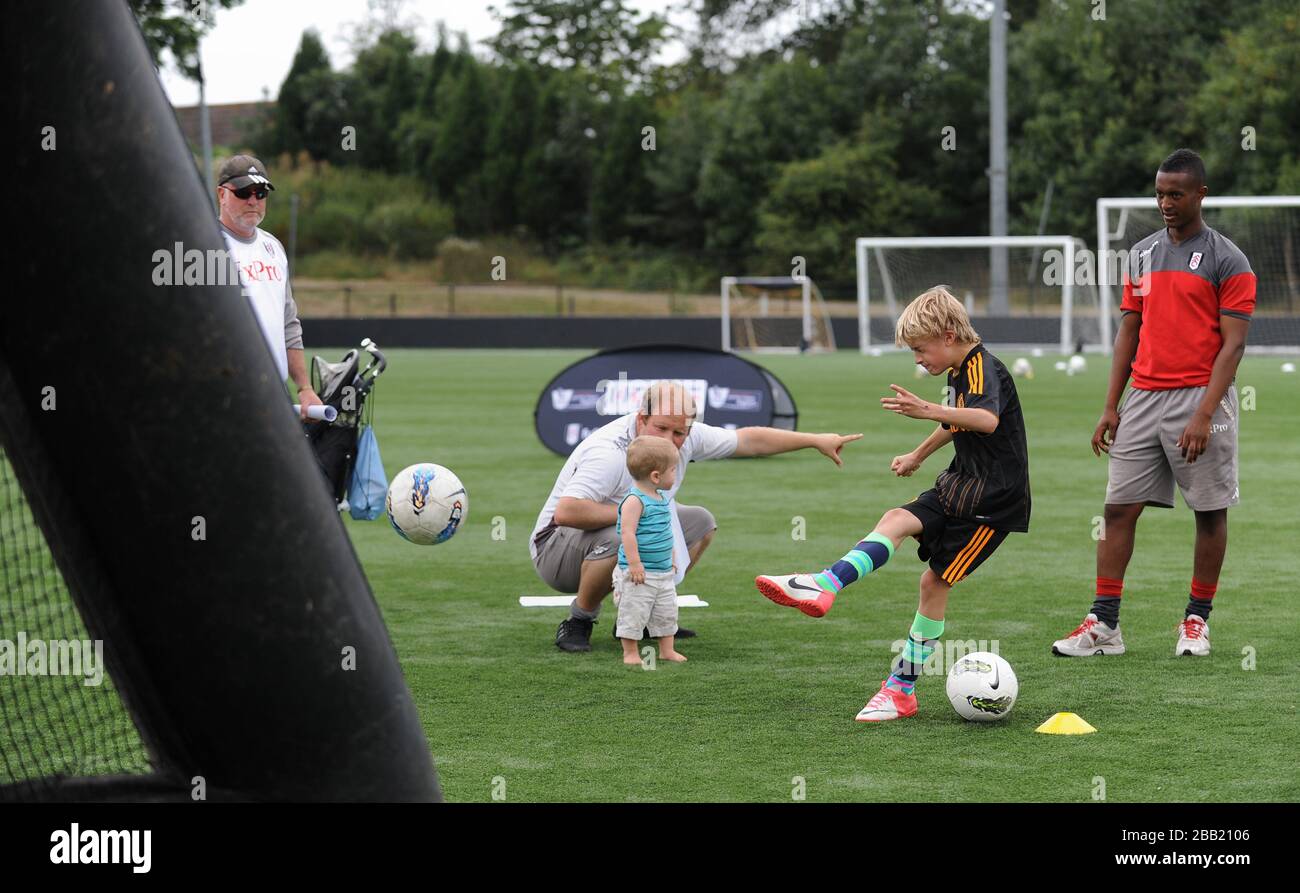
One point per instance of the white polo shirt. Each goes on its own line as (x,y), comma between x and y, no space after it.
(264,276)
(597,469)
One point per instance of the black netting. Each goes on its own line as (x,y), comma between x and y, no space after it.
(1269,236)
(1033,306)
(60,715)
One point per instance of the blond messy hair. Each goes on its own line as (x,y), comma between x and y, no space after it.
(932,313)
(646,454)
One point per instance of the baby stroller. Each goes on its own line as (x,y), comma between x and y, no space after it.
(341,386)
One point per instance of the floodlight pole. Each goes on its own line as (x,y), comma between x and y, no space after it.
(205,131)
(999,303)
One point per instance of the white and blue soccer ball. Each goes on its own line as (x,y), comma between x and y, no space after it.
(982,687)
(427,504)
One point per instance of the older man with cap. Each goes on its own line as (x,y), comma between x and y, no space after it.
(242,190)
(574,546)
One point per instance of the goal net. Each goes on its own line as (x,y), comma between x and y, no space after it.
(1264,227)
(774,313)
(1019,290)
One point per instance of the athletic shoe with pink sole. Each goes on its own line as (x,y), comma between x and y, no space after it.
(888,703)
(797,591)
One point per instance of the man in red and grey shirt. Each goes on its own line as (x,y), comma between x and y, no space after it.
(1188,296)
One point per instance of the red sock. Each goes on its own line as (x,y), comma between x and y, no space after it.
(1201,602)
(1108,587)
(1106,605)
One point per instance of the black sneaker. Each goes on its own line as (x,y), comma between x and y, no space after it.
(682,633)
(574,634)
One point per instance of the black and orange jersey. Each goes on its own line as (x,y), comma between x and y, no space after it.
(988,480)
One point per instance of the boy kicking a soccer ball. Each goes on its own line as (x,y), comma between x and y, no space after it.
(644,584)
(980,498)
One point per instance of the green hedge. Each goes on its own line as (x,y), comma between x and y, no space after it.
(356,211)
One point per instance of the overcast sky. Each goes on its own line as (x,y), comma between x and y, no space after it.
(251,47)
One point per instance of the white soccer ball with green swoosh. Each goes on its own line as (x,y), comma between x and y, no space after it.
(982,687)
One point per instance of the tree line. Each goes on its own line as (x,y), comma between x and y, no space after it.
(863,117)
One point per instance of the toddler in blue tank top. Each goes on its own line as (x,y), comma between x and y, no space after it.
(644,588)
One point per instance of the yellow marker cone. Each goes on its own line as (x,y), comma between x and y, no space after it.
(1065,724)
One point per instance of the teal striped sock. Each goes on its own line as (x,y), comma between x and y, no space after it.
(921,642)
(867,556)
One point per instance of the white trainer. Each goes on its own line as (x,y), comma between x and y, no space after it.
(1090,638)
(1193,637)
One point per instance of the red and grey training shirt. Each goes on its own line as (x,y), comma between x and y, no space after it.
(1181,290)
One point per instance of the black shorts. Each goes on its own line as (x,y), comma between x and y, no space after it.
(953,546)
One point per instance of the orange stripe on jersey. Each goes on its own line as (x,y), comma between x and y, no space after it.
(972,548)
(975,374)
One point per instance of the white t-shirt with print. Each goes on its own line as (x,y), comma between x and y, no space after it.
(597,469)
(264,277)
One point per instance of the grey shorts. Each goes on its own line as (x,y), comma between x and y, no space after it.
(651,605)
(1145,460)
(562,550)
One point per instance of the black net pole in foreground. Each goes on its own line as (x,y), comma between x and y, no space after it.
(154,444)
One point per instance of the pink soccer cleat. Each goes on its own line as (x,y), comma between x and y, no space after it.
(797,591)
(888,703)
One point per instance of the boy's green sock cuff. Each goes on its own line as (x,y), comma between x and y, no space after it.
(874,537)
(926,628)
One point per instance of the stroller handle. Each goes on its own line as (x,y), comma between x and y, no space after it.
(380,361)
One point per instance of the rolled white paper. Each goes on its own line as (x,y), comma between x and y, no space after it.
(319,412)
(563,601)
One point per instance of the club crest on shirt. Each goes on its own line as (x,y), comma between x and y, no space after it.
(1195,261)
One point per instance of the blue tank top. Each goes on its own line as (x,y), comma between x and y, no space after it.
(654,532)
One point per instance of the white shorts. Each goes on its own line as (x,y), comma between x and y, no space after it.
(651,605)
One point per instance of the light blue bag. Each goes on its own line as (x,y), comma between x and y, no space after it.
(369,487)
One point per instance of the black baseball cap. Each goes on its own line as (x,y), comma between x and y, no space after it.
(241,171)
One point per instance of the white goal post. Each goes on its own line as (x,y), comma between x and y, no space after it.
(901,267)
(774,314)
(1265,227)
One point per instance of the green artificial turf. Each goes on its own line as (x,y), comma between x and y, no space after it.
(763,711)
(769,695)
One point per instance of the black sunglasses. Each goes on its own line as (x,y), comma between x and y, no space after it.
(243,194)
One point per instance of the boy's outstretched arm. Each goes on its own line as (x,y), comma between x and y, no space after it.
(904,465)
(906,403)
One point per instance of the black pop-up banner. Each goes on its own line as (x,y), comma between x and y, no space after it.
(729,391)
